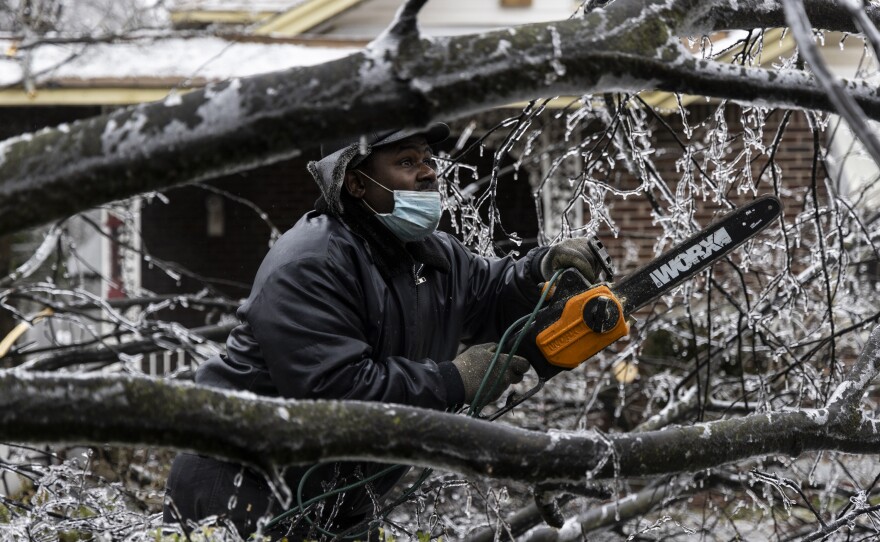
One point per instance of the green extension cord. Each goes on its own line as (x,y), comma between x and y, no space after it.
(474,411)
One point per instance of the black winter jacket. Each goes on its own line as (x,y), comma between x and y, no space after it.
(342,310)
(333,315)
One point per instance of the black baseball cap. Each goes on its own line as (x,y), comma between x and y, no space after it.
(434,133)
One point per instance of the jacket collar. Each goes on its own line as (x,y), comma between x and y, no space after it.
(391,256)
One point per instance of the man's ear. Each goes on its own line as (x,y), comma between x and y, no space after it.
(354,184)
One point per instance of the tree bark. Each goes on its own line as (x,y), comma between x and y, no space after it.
(40,407)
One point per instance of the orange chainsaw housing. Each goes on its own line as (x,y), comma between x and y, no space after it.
(568,341)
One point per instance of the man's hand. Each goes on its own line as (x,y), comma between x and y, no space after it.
(578,253)
(472,365)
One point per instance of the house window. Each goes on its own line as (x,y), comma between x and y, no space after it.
(516,3)
(216,219)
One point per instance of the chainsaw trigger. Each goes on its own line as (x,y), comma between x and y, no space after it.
(545,286)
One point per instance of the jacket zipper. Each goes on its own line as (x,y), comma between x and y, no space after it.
(417,279)
(416,276)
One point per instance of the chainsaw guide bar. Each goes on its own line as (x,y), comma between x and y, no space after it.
(581,319)
(697,253)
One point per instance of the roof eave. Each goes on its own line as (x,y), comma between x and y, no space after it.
(304,17)
(192,18)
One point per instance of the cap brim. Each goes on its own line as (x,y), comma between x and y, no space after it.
(435,133)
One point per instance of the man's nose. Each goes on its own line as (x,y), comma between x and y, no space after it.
(427,173)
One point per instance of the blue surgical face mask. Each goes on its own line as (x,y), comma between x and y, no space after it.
(415,215)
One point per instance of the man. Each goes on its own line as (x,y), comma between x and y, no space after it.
(362,299)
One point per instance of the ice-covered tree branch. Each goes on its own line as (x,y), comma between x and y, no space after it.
(39,407)
(839,523)
(632,45)
(76,355)
(43,252)
(606,515)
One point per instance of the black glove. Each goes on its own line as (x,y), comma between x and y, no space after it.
(587,255)
(472,365)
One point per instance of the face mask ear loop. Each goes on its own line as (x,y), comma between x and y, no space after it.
(375,181)
(368,206)
(380,185)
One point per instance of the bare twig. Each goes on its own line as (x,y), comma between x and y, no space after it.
(840,522)
(405,22)
(46,248)
(108,352)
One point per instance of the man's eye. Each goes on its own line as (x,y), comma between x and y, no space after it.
(406,162)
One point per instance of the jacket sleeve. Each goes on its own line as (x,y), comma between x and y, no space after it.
(308,321)
(497,291)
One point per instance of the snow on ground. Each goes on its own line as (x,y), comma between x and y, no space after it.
(208,58)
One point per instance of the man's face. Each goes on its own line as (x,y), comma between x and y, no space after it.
(403,165)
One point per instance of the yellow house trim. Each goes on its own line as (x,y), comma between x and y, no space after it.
(303,17)
(179,18)
(559,102)
(81,96)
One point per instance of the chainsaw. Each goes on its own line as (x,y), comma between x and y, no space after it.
(580,319)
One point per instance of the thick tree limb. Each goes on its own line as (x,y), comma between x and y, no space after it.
(39,407)
(632,45)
